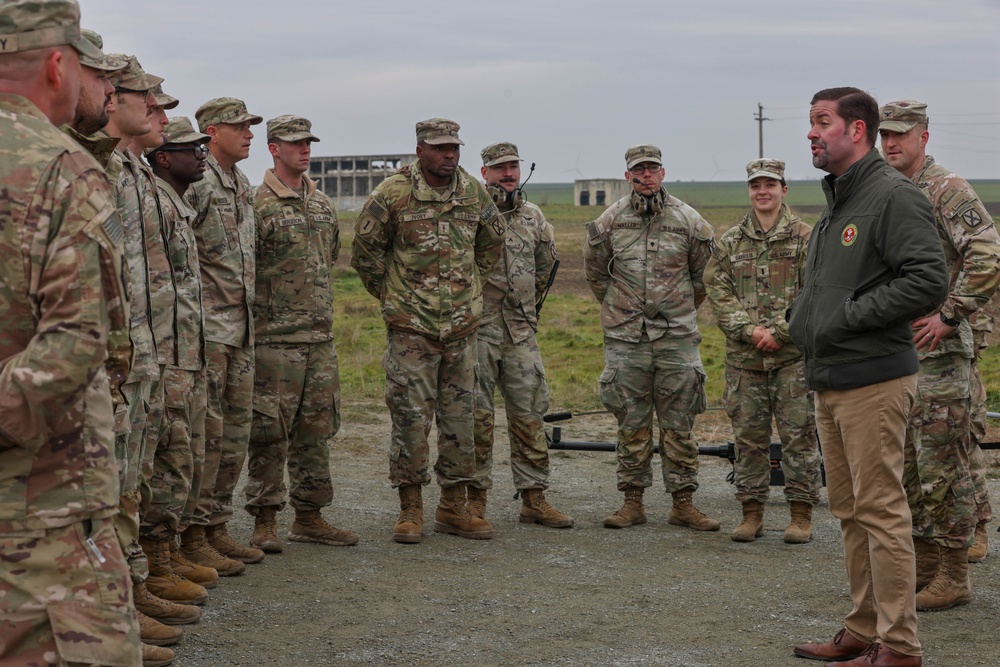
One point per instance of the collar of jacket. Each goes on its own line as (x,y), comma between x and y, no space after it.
(272,181)
(841,187)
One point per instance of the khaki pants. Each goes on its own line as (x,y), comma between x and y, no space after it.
(861,433)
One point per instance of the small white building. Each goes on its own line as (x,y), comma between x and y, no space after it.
(599,191)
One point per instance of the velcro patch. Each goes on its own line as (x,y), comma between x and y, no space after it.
(377,211)
(113,228)
(972,218)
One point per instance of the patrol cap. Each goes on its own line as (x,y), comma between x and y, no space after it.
(179,131)
(106,63)
(290,128)
(642,153)
(495,154)
(224,111)
(133,78)
(902,116)
(163,100)
(26,25)
(438,131)
(766,168)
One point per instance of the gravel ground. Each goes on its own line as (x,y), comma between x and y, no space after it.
(650,595)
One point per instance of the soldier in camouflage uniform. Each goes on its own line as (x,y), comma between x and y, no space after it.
(64,593)
(507,350)
(224,228)
(751,280)
(425,242)
(937,471)
(982,325)
(296,399)
(644,258)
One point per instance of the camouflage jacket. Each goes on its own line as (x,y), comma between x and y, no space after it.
(99,145)
(60,291)
(751,280)
(514,287)
(298,241)
(425,255)
(182,248)
(971,249)
(162,298)
(225,231)
(647,270)
(131,208)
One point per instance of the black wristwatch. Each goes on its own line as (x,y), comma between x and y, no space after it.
(947,320)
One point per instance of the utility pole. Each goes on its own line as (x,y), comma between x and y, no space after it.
(760,129)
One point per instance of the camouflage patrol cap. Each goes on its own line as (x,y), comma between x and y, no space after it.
(438,131)
(179,131)
(224,111)
(642,153)
(26,25)
(163,100)
(105,63)
(766,168)
(495,154)
(290,128)
(902,116)
(133,78)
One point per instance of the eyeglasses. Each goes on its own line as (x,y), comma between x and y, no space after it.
(640,169)
(200,150)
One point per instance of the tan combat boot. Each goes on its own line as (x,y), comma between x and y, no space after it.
(152,632)
(156,656)
(535,509)
(632,513)
(800,530)
(928,558)
(218,536)
(409,528)
(981,547)
(206,577)
(196,548)
(453,517)
(310,526)
(265,531)
(684,513)
(951,586)
(163,582)
(477,502)
(164,611)
(752,525)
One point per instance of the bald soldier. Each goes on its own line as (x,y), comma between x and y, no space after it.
(425,242)
(64,585)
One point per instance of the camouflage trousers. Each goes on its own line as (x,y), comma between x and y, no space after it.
(153,431)
(665,375)
(129,450)
(180,454)
(296,411)
(430,382)
(936,470)
(977,461)
(65,598)
(752,398)
(516,368)
(230,373)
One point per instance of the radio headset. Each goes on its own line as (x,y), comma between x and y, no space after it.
(513,199)
(651,204)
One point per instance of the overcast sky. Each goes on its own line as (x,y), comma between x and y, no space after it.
(574,83)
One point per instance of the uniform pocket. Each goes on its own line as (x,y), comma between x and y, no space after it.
(92,635)
(610,394)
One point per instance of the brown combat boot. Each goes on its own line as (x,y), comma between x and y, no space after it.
(476,502)
(951,586)
(164,611)
(453,517)
(265,531)
(156,656)
(752,525)
(632,513)
(981,546)
(206,577)
(684,513)
(152,632)
(196,548)
(163,582)
(218,536)
(928,557)
(410,526)
(800,530)
(535,509)
(310,526)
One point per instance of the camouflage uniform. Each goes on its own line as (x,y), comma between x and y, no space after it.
(982,325)
(64,593)
(296,400)
(751,281)
(424,254)
(646,271)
